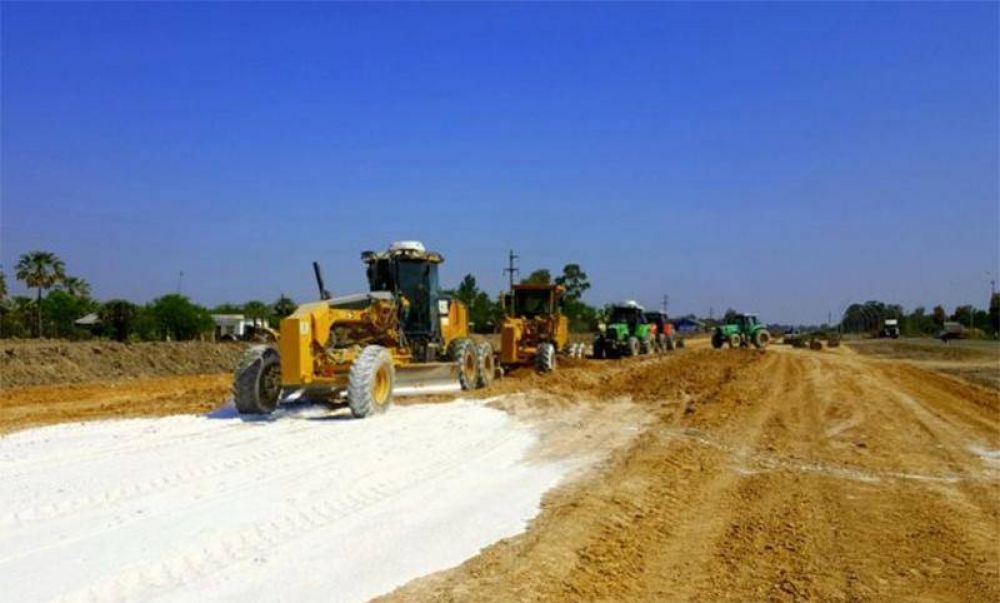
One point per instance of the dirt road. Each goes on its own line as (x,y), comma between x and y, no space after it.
(721,475)
(794,475)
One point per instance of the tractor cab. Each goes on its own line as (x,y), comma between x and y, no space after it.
(629,313)
(747,322)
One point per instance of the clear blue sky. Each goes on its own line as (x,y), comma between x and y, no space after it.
(783,158)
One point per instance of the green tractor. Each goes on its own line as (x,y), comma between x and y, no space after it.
(744,330)
(627,333)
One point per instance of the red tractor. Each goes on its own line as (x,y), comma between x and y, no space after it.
(662,332)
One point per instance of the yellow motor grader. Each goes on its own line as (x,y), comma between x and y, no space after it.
(534,328)
(402,336)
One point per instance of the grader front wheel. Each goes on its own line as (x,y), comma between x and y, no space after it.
(370,382)
(257,382)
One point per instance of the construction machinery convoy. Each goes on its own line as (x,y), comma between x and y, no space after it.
(403,333)
(742,331)
(534,327)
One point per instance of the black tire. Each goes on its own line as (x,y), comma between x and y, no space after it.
(463,352)
(257,381)
(370,382)
(679,343)
(735,341)
(761,338)
(718,341)
(545,358)
(645,346)
(599,352)
(487,368)
(633,347)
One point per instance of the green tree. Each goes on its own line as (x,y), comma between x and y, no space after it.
(574,279)
(75,286)
(228,308)
(256,310)
(282,307)
(964,315)
(483,311)
(3,286)
(40,270)
(176,318)
(61,310)
(117,318)
(939,316)
(538,277)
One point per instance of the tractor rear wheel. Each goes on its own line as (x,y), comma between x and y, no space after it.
(599,353)
(463,352)
(718,340)
(257,382)
(487,365)
(370,382)
(545,358)
(761,338)
(735,341)
(633,347)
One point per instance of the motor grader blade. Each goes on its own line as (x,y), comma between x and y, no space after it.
(426,378)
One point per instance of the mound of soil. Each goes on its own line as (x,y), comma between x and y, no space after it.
(25,363)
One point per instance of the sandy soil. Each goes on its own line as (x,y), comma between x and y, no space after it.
(791,475)
(726,475)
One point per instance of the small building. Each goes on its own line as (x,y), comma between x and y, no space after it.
(236,327)
(688,324)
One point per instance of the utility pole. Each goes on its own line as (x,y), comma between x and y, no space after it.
(511,269)
(180,278)
(666,302)
(711,313)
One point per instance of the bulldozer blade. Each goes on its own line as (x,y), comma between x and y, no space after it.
(426,378)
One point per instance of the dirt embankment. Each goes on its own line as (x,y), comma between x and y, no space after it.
(788,475)
(28,363)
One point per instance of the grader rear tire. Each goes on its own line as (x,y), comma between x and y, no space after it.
(257,382)
(370,382)
(545,358)
(486,365)
(463,352)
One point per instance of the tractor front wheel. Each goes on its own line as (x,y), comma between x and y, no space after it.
(257,382)
(735,341)
(633,347)
(370,382)
(545,358)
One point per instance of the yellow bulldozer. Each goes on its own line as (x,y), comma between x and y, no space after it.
(534,328)
(402,336)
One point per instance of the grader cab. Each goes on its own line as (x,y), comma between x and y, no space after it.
(403,336)
(534,328)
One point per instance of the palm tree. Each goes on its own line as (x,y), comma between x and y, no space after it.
(40,270)
(76,286)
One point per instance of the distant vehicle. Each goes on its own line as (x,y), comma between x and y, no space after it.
(663,334)
(236,327)
(743,331)
(626,334)
(951,330)
(890,328)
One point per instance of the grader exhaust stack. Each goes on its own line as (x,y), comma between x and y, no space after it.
(402,337)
